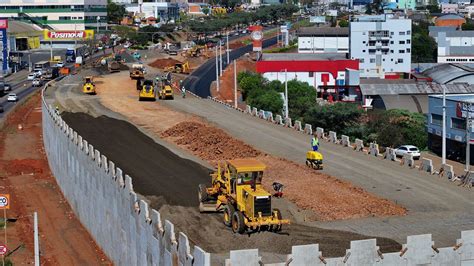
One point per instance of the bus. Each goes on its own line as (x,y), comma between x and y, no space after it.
(41,66)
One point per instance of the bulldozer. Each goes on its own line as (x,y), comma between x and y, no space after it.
(237,191)
(180,68)
(166,91)
(89,86)
(148,91)
(137,72)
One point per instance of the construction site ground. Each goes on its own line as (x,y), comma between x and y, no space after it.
(25,175)
(170,182)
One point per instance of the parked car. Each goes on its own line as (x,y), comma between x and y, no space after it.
(60,64)
(38,73)
(12,97)
(31,76)
(7,87)
(408,149)
(37,82)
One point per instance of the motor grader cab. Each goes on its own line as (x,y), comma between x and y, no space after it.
(137,72)
(89,86)
(166,91)
(148,91)
(237,191)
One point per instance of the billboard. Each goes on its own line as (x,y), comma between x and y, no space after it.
(462,109)
(69,35)
(317,19)
(4,44)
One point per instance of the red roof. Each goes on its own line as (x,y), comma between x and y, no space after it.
(331,66)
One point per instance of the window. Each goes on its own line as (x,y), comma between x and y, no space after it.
(64,18)
(361,60)
(436,119)
(408,32)
(401,51)
(401,33)
(392,33)
(458,123)
(408,50)
(408,41)
(363,42)
(391,42)
(372,60)
(391,51)
(401,42)
(363,51)
(400,60)
(311,74)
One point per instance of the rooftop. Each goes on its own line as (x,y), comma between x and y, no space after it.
(458,97)
(450,16)
(323,31)
(19,27)
(246,164)
(414,88)
(302,57)
(445,73)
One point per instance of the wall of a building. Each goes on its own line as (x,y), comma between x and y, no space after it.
(377,64)
(323,44)
(313,79)
(450,22)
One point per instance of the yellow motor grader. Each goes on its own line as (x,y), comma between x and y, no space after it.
(237,191)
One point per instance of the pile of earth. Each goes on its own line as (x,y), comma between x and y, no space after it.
(162,63)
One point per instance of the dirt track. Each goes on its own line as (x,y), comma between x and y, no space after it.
(162,177)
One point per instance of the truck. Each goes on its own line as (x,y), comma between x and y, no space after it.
(70,55)
(51,73)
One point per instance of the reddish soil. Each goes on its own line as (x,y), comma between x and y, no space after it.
(25,175)
(226,91)
(329,197)
(162,63)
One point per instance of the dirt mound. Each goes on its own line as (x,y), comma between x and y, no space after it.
(329,197)
(162,63)
(209,143)
(24,166)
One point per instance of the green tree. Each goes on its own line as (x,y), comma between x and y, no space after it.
(343,23)
(268,100)
(115,12)
(468,26)
(206,11)
(424,47)
(301,97)
(339,117)
(249,82)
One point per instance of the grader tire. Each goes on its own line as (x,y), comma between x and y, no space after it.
(238,223)
(228,212)
(277,228)
(202,193)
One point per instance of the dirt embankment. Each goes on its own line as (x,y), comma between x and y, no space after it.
(25,175)
(329,197)
(162,63)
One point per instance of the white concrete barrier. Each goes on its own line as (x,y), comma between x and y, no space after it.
(254,111)
(447,170)
(288,122)
(261,114)
(308,129)
(320,132)
(332,137)
(390,154)
(359,145)
(408,160)
(297,126)
(270,117)
(278,120)
(426,165)
(345,141)
(374,149)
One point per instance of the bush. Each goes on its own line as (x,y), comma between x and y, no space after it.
(343,118)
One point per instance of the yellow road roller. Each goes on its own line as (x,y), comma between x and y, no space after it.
(89,86)
(314,160)
(148,91)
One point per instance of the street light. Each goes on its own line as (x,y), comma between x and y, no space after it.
(443,152)
(98,23)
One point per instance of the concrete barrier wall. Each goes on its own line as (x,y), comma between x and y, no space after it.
(131,233)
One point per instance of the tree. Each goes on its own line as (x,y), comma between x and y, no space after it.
(424,47)
(343,23)
(115,12)
(206,11)
(340,117)
(468,26)
(268,100)
(249,82)
(301,97)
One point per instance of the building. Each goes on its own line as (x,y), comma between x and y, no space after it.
(447,8)
(164,11)
(323,40)
(456,107)
(196,9)
(58,15)
(327,73)
(451,74)
(407,4)
(450,21)
(454,46)
(382,44)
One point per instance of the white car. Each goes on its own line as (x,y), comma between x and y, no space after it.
(60,64)
(38,73)
(408,149)
(31,76)
(12,97)
(36,82)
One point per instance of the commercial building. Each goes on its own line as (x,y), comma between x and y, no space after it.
(454,46)
(58,15)
(323,40)
(382,44)
(164,11)
(448,8)
(327,73)
(456,111)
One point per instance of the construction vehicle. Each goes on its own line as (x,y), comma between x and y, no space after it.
(314,160)
(237,191)
(148,91)
(113,66)
(166,91)
(89,86)
(137,72)
(180,68)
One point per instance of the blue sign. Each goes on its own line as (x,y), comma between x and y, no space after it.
(4,47)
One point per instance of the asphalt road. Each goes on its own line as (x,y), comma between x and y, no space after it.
(199,82)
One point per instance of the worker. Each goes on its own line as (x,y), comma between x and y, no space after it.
(183,91)
(315,142)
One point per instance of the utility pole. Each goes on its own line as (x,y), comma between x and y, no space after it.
(51,49)
(36,239)
(75,37)
(443,161)
(468,137)
(220,56)
(286,93)
(235,83)
(217,70)
(227,43)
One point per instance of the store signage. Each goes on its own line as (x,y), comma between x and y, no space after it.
(68,35)
(3,23)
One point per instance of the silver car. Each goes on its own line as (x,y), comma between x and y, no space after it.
(408,149)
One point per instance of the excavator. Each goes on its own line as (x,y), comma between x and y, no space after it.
(89,86)
(148,91)
(196,50)
(180,68)
(237,191)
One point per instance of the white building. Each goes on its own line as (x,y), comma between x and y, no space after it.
(382,44)
(449,8)
(58,15)
(454,46)
(323,40)
(165,11)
